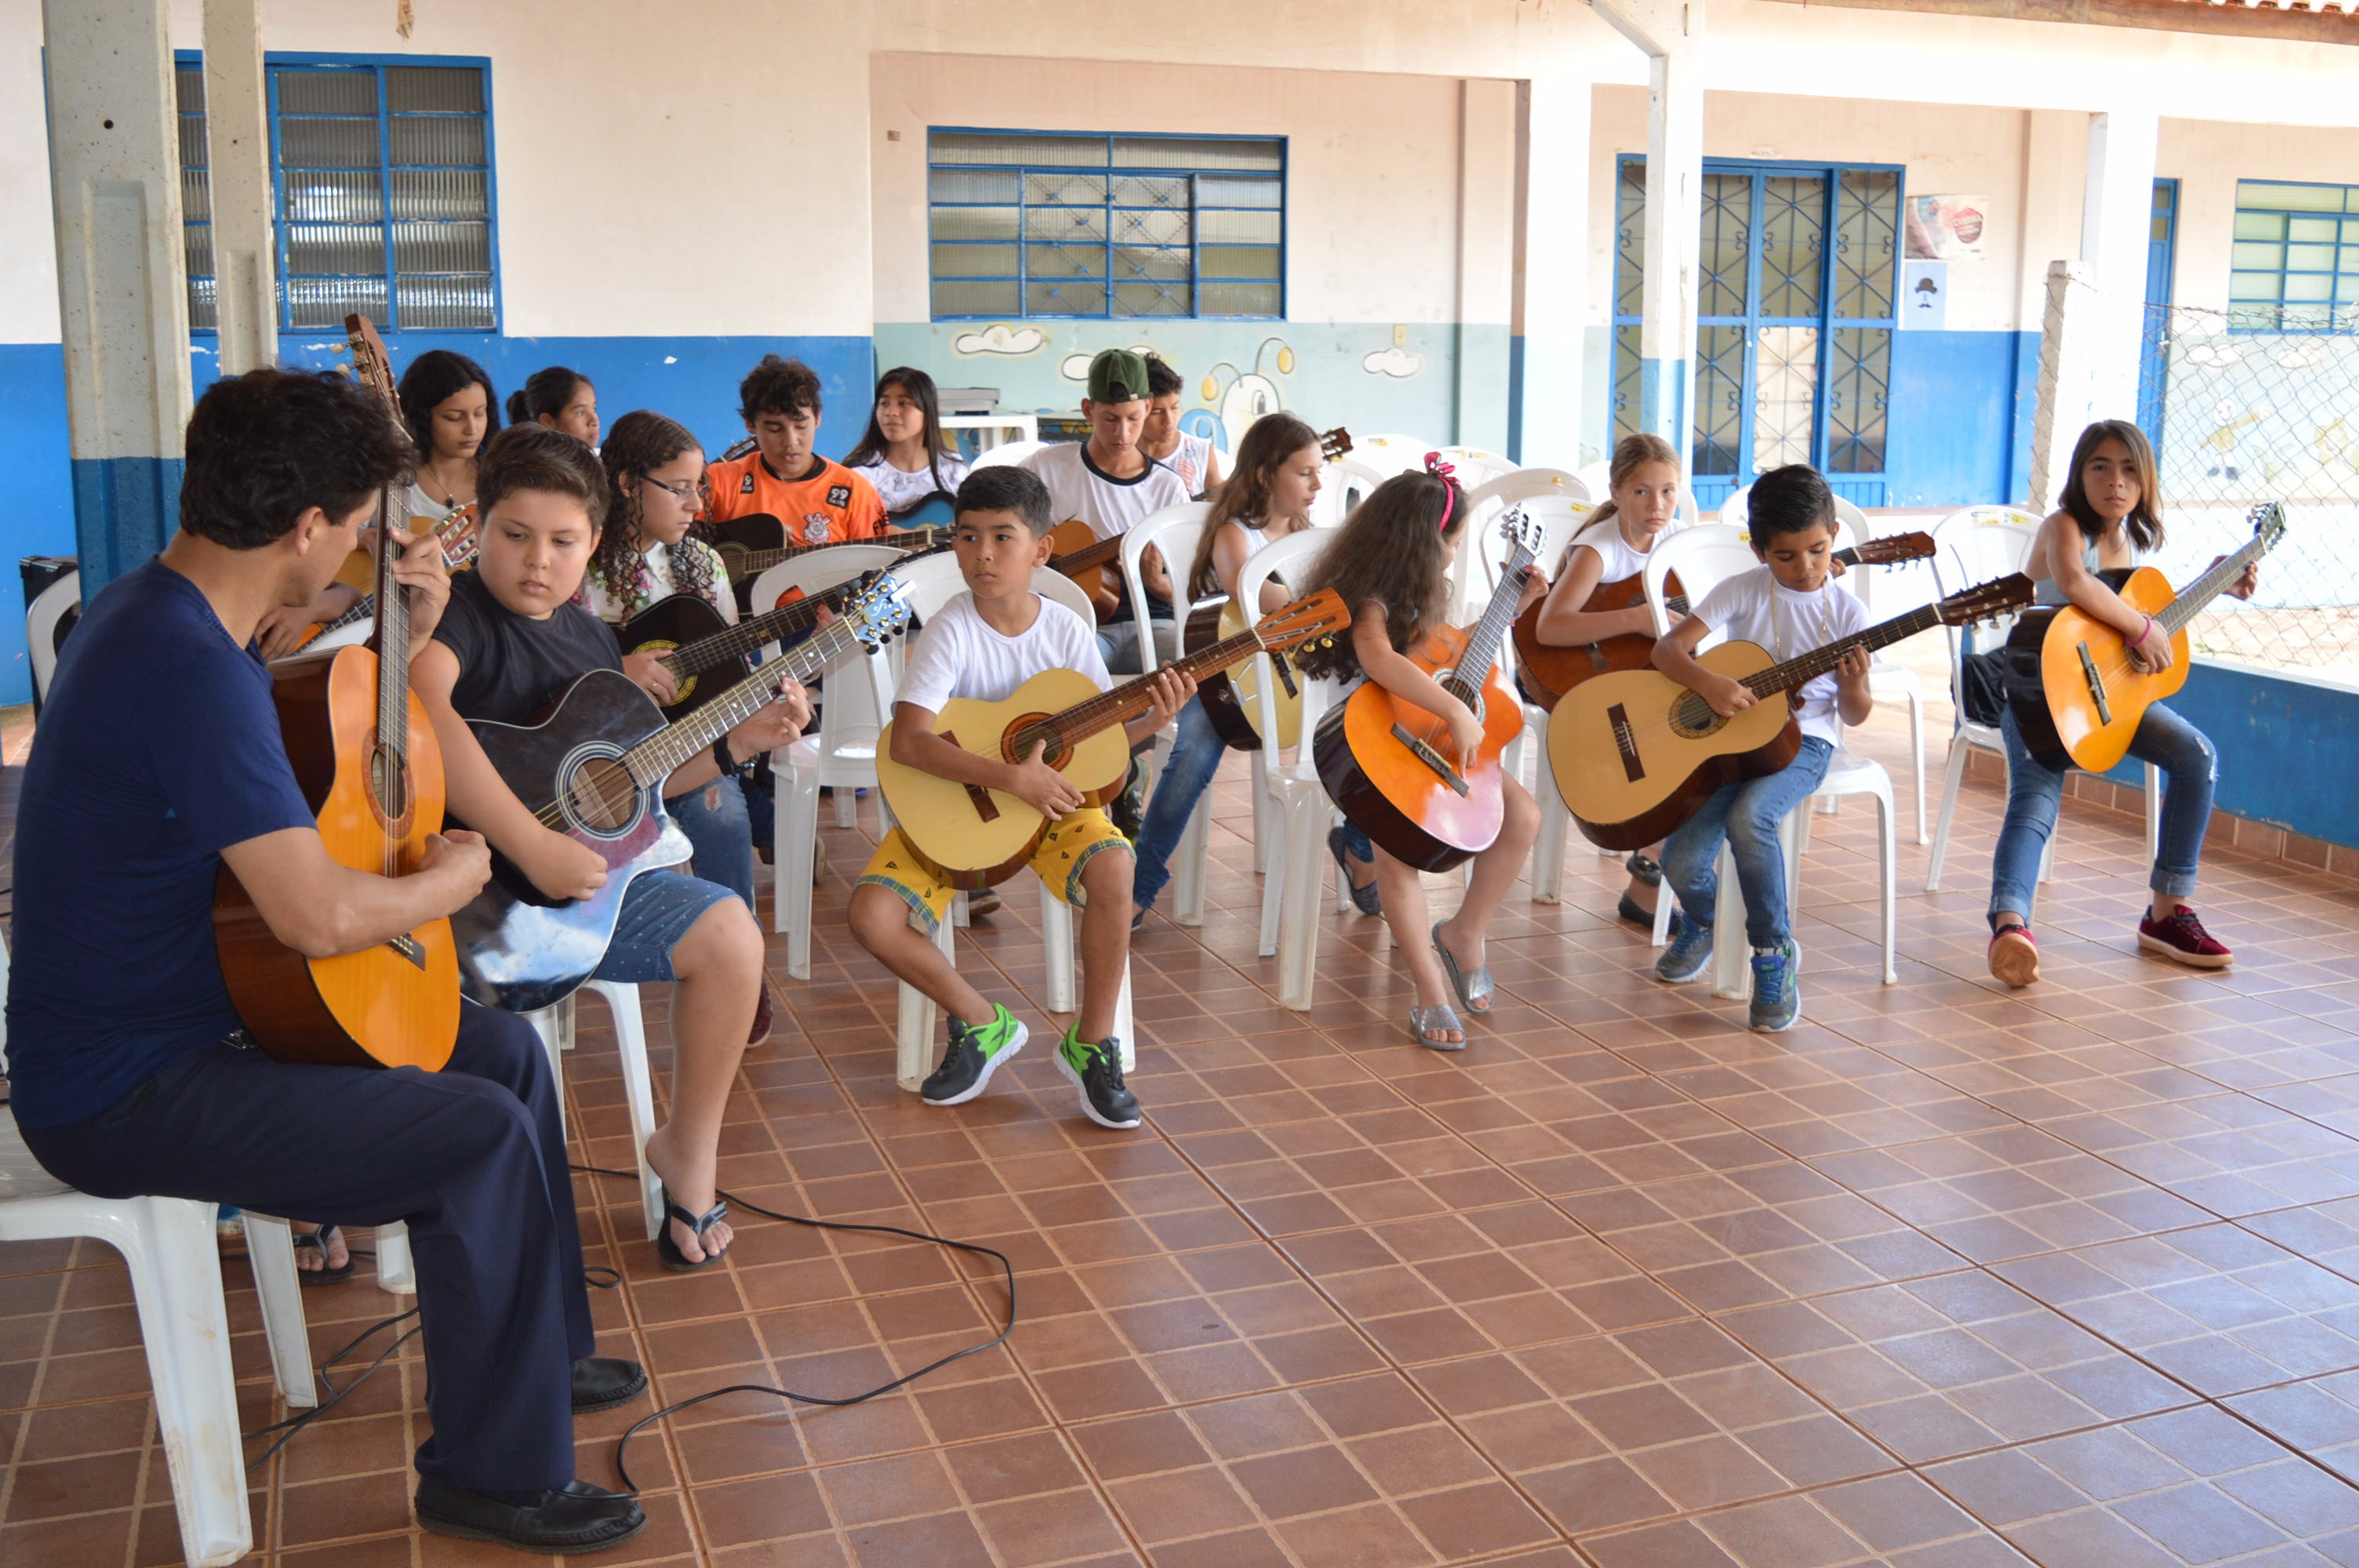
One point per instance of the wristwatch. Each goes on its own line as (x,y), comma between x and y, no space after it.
(721,757)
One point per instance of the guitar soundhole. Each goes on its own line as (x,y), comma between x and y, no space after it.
(1692,718)
(1472,696)
(601,796)
(386,785)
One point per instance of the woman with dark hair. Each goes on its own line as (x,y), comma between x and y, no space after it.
(448,405)
(561,399)
(903,453)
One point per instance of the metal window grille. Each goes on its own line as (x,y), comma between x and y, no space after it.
(2295,261)
(381,183)
(1029,223)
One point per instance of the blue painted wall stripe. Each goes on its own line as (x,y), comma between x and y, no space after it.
(125,508)
(2288,749)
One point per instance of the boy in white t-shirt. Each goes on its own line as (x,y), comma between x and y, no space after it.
(1789,605)
(1110,483)
(986,644)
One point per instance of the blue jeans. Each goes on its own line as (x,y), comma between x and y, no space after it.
(713,816)
(1747,814)
(1187,775)
(1118,644)
(2190,769)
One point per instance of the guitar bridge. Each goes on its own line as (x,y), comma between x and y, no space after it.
(1431,759)
(1626,742)
(410,948)
(2096,684)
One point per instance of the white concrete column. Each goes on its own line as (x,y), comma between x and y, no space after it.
(1671,32)
(237,135)
(115,177)
(1553,311)
(1486,222)
(2116,217)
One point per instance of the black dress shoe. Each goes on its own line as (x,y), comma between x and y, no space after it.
(576,1517)
(602,1382)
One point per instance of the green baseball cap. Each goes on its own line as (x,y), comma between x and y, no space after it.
(1117,375)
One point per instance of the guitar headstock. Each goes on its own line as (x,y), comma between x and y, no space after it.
(372,366)
(1520,532)
(1320,616)
(1893,548)
(876,611)
(2268,521)
(1986,601)
(460,536)
(1335,445)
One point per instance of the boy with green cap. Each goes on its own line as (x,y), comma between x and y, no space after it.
(1109,483)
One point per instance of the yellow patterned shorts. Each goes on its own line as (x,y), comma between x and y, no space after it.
(1058,862)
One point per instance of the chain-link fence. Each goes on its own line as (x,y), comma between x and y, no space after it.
(2253,417)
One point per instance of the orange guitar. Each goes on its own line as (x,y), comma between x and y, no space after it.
(1391,765)
(366,758)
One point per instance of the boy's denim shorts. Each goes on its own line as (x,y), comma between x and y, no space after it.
(657,912)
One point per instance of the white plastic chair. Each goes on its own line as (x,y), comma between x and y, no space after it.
(1976,545)
(1887,681)
(1011,453)
(1559,516)
(1737,508)
(1389,455)
(1486,502)
(42,618)
(555,1027)
(1703,557)
(842,756)
(1476,467)
(929,582)
(1597,477)
(1347,483)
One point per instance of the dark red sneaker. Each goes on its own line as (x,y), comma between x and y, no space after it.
(762,1013)
(2181,938)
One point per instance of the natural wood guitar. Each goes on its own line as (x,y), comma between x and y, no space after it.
(1391,767)
(1637,753)
(593,768)
(369,767)
(971,836)
(2069,678)
(1549,670)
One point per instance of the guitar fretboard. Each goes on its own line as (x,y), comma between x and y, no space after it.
(1065,730)
(724,648)
(2212,584)
(655,758)
(1490,634)
(911,539)
(1696,712)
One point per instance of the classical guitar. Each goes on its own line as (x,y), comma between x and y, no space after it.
(593,768)
(458,536)
(973,837)
(1391,766)
(1549,671)
(1076,551)
(369,766)
(1637,753)
(752,544)
(2069,675)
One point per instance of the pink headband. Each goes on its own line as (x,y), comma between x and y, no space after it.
(1448,474)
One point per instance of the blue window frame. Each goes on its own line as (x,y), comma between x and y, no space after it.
(382,191)
(1045,223)
(2295,264)
(1797,302)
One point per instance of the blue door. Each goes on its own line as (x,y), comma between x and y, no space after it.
(2154,357)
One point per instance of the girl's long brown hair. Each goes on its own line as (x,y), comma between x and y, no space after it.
(640,442)
(1394,551)
(1268,443)
(2144,523)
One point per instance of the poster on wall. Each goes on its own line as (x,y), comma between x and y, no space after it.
(1924,294)
(1946,228)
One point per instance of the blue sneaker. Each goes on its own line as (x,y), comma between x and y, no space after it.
(1776,987)
(1689,955)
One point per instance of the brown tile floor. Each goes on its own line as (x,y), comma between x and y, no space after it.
(1945,1276)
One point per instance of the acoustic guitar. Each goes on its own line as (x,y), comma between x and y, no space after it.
(1076,551)
(2068,677)
(370,768)
(593,768)
(1637,753)
(460,538)
(971,836)
(1391,766)
(1549,670)
(752,544)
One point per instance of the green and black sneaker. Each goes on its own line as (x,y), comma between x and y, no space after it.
(973,1055)
(1096,1071)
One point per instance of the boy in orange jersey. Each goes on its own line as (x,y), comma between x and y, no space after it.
(820,502)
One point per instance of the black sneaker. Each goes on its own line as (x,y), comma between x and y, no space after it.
(973,1055)
(1096,1071)
(1128,811)
(575,1518)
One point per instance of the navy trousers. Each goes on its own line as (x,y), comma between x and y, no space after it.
(472,1157)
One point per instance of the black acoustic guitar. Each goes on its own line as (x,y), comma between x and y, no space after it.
(593,768)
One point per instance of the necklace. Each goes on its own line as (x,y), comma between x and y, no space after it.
(1777,621)
(450,491)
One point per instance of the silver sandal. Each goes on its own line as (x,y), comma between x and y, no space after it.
(1472,988)
(1426,1022)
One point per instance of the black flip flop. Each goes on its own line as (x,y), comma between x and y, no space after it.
(678,1262)
(317,1241)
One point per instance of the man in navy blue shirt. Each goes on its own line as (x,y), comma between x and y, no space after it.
(157,761)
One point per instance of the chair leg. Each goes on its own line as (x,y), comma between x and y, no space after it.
(1954,778)
(1556,822)
(638,1090)
(1887,857)
(176,1284)
(1189,861)
(1916,746)
(1124,1027)
(1057,940)
(1665,902)
(795,841)
(396,1270)
(555,1027)
(270,1253)
(1304,888)
(847,807)
(1264,814)
(1273,882)
(914,1030)
(1731,968)
(2153,814)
